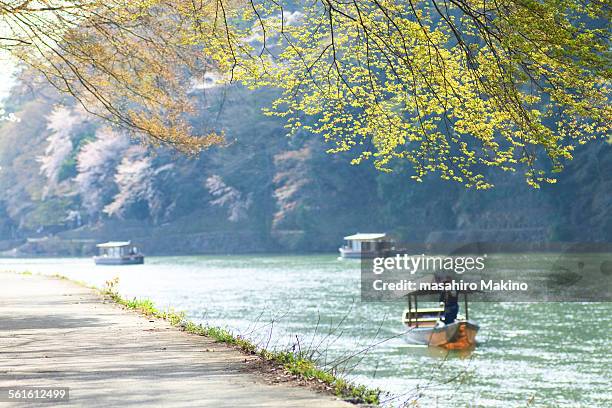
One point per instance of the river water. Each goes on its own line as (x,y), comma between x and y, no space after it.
(529,354)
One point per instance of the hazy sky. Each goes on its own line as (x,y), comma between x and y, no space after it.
(7,69)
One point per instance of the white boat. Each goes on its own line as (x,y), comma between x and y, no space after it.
(460,334)
(118,253)
(426,326)
(368,245)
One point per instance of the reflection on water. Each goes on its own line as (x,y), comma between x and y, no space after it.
(556,354)
(438,352)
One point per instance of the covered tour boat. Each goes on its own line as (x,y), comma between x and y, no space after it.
(368,245)
(118,253)
(427,327)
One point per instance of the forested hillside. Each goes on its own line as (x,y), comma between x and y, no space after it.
(68,181)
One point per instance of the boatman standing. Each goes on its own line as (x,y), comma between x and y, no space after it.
(450,298)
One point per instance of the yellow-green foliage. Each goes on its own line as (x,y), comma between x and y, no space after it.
(450,87)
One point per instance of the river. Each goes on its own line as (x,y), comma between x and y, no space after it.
(529,354)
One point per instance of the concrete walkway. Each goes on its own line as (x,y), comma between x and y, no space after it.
(55,333)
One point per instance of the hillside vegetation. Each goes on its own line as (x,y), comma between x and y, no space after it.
(68,181)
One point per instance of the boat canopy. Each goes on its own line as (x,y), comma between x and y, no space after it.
(365,237)
(114,244)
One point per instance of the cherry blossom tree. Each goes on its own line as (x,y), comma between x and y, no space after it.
(136,180)
(96,165)
(227,196)
(62,123)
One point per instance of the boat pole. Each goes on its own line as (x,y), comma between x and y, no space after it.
(465,295)
(416,311)
(409,310)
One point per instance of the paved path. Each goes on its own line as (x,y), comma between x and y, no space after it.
(55,333)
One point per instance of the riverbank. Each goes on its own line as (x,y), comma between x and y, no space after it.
(312,296)
(57,333)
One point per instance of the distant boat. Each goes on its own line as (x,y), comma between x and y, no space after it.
(118,253)
(427,328)
(368,245)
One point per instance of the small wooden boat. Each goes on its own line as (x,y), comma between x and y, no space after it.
(118,253)
(426,325)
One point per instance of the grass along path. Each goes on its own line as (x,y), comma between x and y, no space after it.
(294,365)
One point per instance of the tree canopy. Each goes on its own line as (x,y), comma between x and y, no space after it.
(125,61)
(447,86)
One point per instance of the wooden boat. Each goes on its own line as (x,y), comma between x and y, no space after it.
(118,253)
(426,326)
(368,245)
